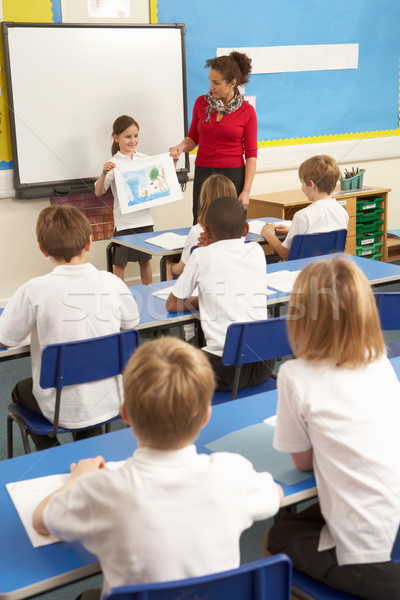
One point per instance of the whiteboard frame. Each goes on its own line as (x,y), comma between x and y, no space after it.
(40,189)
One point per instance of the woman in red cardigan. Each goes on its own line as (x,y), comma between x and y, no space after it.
(224,127)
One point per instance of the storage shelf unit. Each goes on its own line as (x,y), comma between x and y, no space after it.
(283,205)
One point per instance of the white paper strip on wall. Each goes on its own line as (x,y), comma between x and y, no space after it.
(285,59)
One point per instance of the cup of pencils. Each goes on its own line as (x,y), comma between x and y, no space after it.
(352,179)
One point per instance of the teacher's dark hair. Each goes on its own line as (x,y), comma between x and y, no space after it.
(119,126)
(235,66)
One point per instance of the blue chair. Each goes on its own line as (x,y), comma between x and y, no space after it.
(308,588)
(388,304)
(72,363)
(251,342)
(267,579)
(315,244)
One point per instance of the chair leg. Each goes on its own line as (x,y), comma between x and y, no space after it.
(23,432)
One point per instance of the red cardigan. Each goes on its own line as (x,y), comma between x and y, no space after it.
(222,145)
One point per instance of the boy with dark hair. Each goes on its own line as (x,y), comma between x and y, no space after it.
(231,277)
(319,176)
(168,513)
(73,302)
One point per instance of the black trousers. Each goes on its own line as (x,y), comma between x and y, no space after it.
(297,535)
(250,374)
(202,173)
(22,393)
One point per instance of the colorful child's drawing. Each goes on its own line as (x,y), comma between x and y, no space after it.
(147,182)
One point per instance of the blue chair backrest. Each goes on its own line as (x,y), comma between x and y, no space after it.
(255,341)
(73,363)
(395,554)
(388,304)
(270,578)
(316,244)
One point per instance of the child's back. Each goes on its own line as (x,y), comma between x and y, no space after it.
(168,513)
(73,302)
(338,412)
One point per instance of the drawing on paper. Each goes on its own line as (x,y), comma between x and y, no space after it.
(147,182)
(146,185)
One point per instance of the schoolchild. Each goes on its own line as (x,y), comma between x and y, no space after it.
(231,279)
(168,513)
(338,413)
(215,186)
(319,176)
(75,301)
(125,134)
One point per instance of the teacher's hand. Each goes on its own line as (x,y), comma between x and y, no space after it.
(176,151)
(244,199)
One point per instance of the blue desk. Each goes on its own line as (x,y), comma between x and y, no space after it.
(137,241)
(377,272)
(25,570)
(153,314)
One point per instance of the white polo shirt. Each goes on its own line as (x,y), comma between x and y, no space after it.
(139,218)
(191,240)
(318,217)
(232,281)
(164,515)
(350,417)
(73,302)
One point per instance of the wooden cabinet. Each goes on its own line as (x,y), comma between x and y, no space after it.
(283,205)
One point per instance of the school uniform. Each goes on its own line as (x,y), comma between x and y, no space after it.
(164,515)
(73,302)
(139,221)
(232,285)
(320,216)
(191,240)
(350,417)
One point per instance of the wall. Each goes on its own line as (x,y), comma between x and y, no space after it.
(20,258)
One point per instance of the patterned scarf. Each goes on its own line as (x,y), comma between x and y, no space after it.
(218,106)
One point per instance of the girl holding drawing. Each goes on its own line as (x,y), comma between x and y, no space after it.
(224,126)
(126,139)
(338,413)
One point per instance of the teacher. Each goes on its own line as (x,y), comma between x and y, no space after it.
(224,126)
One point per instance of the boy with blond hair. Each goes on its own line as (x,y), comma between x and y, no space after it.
(73,302)
(168,513)
(319,176)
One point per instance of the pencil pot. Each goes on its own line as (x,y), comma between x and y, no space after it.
(353,183)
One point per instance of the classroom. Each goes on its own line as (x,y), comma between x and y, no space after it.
(377,152)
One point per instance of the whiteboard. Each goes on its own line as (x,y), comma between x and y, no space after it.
(67,84)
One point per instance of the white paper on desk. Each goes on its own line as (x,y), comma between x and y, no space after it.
(283,281)
(168,240)
(256,226)
(27,493)
(163,293)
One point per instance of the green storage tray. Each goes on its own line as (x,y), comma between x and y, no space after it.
(364,204)
(372,215)
(368,227)
(368,239)
(369,251)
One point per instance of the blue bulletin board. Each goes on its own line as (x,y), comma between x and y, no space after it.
(307,106)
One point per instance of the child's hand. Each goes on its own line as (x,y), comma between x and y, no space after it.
(268,229)
(108,166)
(204,239)
(282,229)
(87,465)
